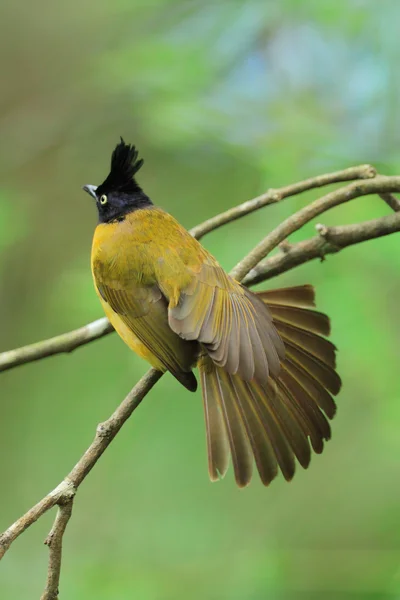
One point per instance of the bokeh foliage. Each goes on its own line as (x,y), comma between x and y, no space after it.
(224,99)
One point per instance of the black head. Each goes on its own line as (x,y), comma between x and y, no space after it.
(119,194)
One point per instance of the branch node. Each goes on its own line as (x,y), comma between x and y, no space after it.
(103,430)
(327,234)
(368,172)
(285,246)
(322,230)
(64,492)
(274,195)
(67,496)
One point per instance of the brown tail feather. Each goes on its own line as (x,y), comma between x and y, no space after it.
(217,440)
(308,416)
(299,296)
(275,422)
(310,358)
(293,306)
(258,429)
(302,397)
(318,394)
(313,344)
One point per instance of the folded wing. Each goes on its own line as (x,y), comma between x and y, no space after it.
(233,324)
(144,310)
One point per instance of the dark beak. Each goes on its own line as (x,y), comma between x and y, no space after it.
(91,190)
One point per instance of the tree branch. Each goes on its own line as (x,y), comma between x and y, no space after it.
(329,240)
(54,542)
(66,490)
(66,342)
(276,195)
(391,201)
(380,184)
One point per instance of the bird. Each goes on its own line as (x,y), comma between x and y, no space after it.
(267,372)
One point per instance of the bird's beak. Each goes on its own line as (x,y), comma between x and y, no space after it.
(91,190)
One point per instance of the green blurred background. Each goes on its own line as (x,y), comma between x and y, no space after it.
(224,99)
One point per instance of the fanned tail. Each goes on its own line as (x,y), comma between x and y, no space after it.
(274,423)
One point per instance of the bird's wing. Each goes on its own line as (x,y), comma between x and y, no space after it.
(233,325)
(144,311)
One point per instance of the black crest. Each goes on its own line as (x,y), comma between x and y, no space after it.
(124,165)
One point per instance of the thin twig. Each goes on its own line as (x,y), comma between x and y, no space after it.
(62,492)
(378,185)
(66,342)
(391,201)
(275,195)
(65,491)
(333,240)
(54,541)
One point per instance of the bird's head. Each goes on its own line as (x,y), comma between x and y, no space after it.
(119,194)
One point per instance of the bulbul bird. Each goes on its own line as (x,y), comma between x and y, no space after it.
(267,373)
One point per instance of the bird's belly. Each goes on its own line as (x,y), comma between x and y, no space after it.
(130,338)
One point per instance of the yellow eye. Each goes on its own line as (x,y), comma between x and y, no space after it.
(103,199)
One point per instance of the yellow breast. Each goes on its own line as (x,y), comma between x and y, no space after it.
(129,337)
(121,243)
